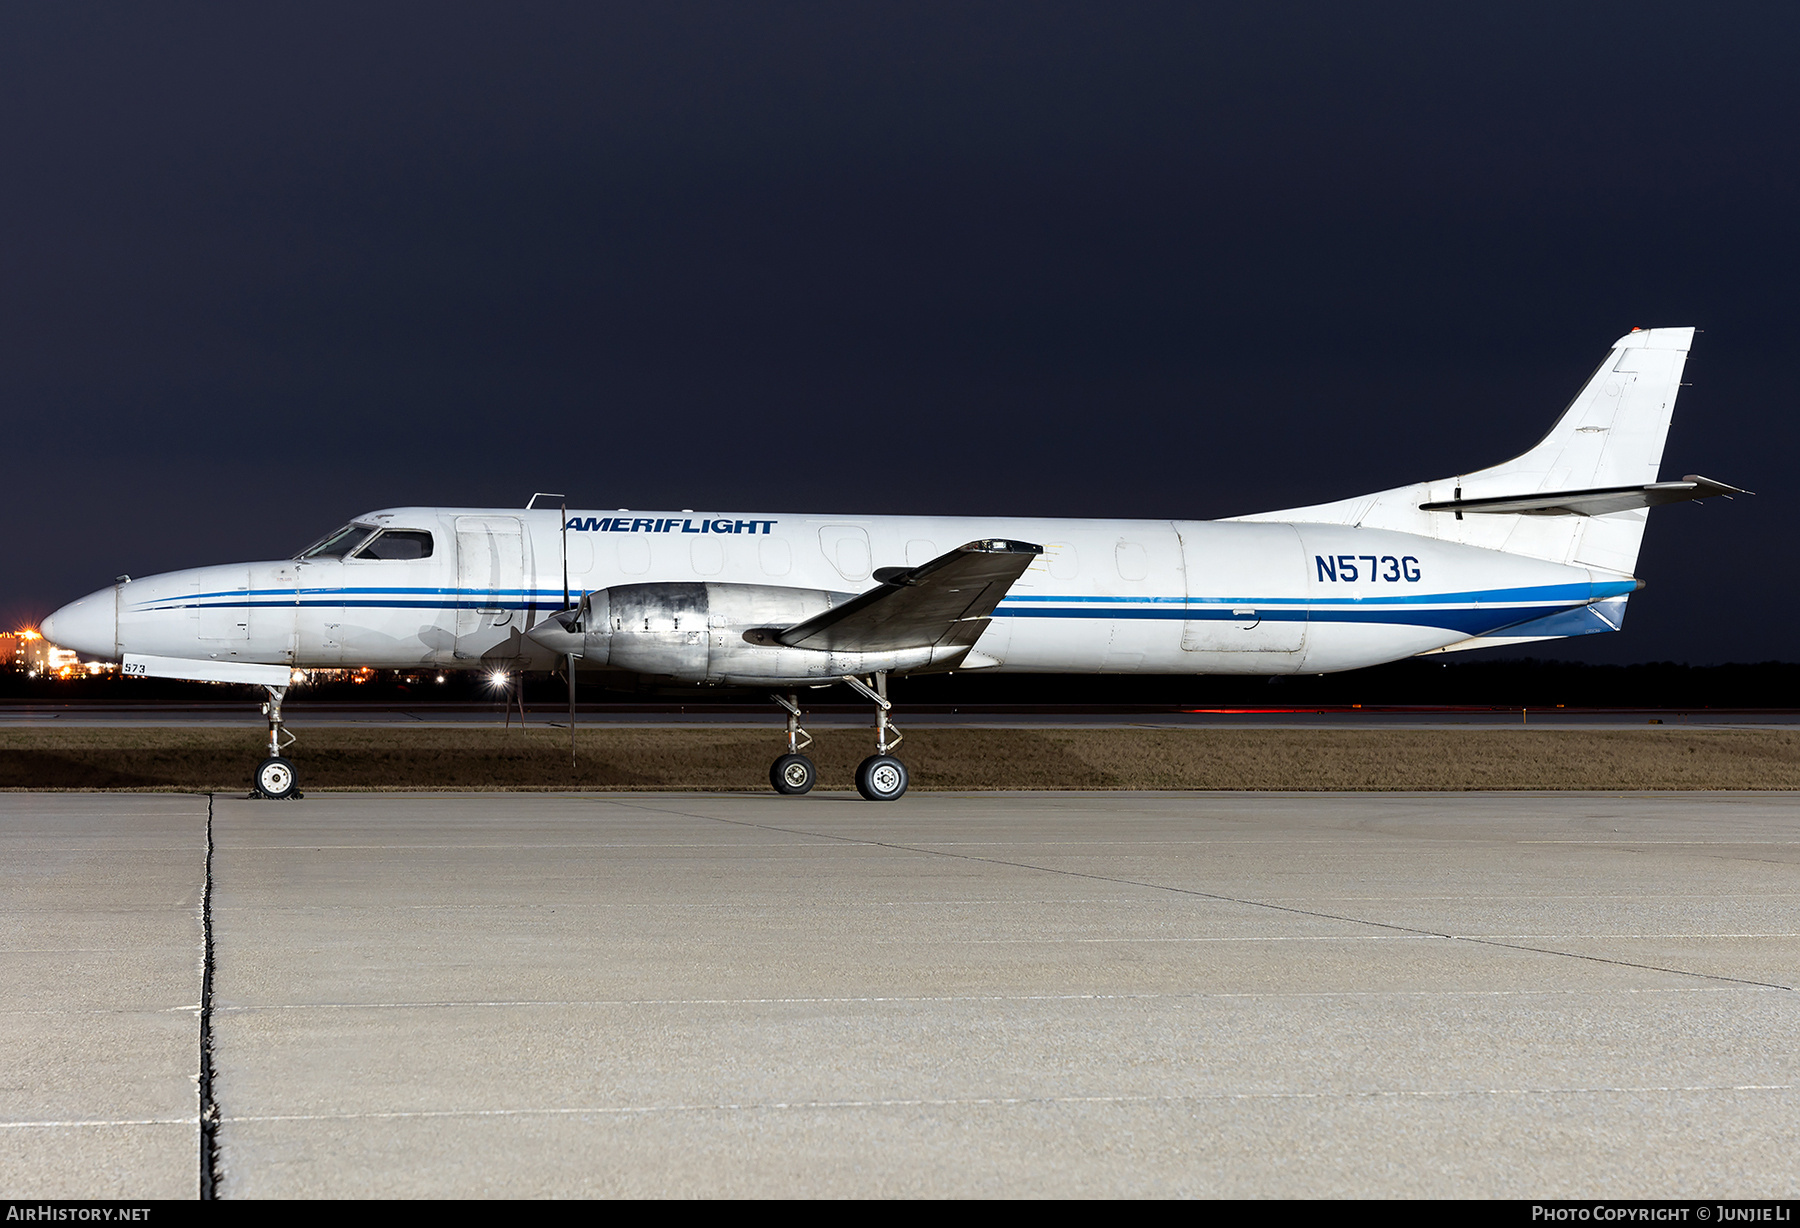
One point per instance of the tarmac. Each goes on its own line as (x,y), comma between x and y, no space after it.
(990,995)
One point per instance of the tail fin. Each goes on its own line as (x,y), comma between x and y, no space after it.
(1610,437)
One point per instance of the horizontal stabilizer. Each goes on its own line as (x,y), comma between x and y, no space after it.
(946,601)
(1598,501)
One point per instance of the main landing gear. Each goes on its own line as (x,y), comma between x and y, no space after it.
(880,777)
(275,777)
(793,772)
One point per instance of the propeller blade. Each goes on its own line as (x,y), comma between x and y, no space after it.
(582,613)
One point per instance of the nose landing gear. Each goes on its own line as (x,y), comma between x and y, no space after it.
(275,776)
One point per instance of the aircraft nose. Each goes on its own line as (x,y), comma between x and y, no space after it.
(89,626)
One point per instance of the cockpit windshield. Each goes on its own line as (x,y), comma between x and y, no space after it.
(337,544)
(363,542)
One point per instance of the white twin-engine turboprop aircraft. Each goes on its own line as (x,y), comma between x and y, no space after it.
(1541,547)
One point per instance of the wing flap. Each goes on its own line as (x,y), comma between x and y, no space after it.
(946,601)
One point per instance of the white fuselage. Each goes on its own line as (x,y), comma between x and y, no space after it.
(1121,596)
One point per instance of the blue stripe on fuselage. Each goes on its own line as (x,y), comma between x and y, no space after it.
(1562,594)
(1475,612)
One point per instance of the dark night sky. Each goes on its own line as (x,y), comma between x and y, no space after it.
(262,271)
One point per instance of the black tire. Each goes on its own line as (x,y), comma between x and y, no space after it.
(881,778)
(793,774)
(275,778)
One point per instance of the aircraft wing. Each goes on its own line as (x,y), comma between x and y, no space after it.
(946,601)
(1595,502)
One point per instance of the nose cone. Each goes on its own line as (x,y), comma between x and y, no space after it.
(89,626)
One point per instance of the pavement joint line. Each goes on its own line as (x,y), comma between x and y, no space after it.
(1132,900)
(124,1121)
(105,1010)
(338,848)
(210,1160)
(1250,842)
(1548,937)
(1016,1101)
(1208,895)
(879,999)
(1494,939)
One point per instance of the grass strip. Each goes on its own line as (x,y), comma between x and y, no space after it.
(211,759)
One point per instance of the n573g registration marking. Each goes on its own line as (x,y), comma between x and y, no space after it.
(1380,567)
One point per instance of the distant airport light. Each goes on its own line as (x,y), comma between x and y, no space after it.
(297,678)
(497,678)
(440,677)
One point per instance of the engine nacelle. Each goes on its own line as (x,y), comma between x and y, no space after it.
(697,633)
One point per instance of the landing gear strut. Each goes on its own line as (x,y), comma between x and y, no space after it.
(793,772)
(275,776)
(880,777)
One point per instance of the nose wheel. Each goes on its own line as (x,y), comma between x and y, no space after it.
(275,776)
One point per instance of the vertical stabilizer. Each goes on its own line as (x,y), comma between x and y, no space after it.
(1611,435)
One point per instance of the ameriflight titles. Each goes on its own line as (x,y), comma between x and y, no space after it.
(665,524)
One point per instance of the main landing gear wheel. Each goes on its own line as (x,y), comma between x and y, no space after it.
(793,774)
(275,778)
(881,778)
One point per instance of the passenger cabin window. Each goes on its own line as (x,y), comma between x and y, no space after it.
(1134,564)
(397,545)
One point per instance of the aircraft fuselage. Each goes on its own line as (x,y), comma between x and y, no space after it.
(1106,596)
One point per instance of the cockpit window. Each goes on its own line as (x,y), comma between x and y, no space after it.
(338,544)
(394,545)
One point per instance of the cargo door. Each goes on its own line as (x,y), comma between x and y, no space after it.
(1246,588)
